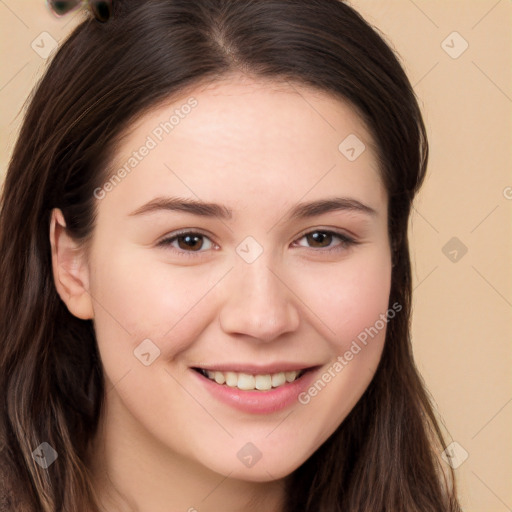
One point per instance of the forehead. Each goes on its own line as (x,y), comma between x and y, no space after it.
(251,135)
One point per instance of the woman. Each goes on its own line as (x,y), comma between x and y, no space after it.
(174,334)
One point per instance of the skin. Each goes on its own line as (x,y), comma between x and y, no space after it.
(258,148)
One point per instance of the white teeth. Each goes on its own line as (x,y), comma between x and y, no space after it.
(278,379)
(247,382)
(219,378)
(231,379)
(263,382)
(290,376)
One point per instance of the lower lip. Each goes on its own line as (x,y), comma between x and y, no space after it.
(259,402)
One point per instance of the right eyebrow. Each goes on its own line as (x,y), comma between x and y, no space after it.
(184,204)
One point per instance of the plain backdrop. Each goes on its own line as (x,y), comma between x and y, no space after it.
(457,54)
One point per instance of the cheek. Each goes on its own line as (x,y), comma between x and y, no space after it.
(354,305)
(349,296)
(138,298)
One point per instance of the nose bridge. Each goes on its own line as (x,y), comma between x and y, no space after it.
(258,303)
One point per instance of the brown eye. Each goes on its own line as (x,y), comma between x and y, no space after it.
(188,243)
(322,239)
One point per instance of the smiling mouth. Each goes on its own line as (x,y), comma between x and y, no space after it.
(250,382)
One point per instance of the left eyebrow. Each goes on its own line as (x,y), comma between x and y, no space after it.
(300,211)
(315,208)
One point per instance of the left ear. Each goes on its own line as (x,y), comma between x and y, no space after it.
(70,270)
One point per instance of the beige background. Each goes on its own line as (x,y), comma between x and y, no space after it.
(462,309)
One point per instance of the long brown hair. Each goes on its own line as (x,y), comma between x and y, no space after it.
(385,454)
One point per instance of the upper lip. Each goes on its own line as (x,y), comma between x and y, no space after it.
(256,369)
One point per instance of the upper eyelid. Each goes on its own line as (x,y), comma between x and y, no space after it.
(335,231)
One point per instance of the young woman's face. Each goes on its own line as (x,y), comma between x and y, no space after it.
(252,283)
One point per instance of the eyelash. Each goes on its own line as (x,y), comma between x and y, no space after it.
(346,242)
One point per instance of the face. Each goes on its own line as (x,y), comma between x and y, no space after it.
(251,288)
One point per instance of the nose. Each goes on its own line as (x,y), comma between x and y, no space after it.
(259,302)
